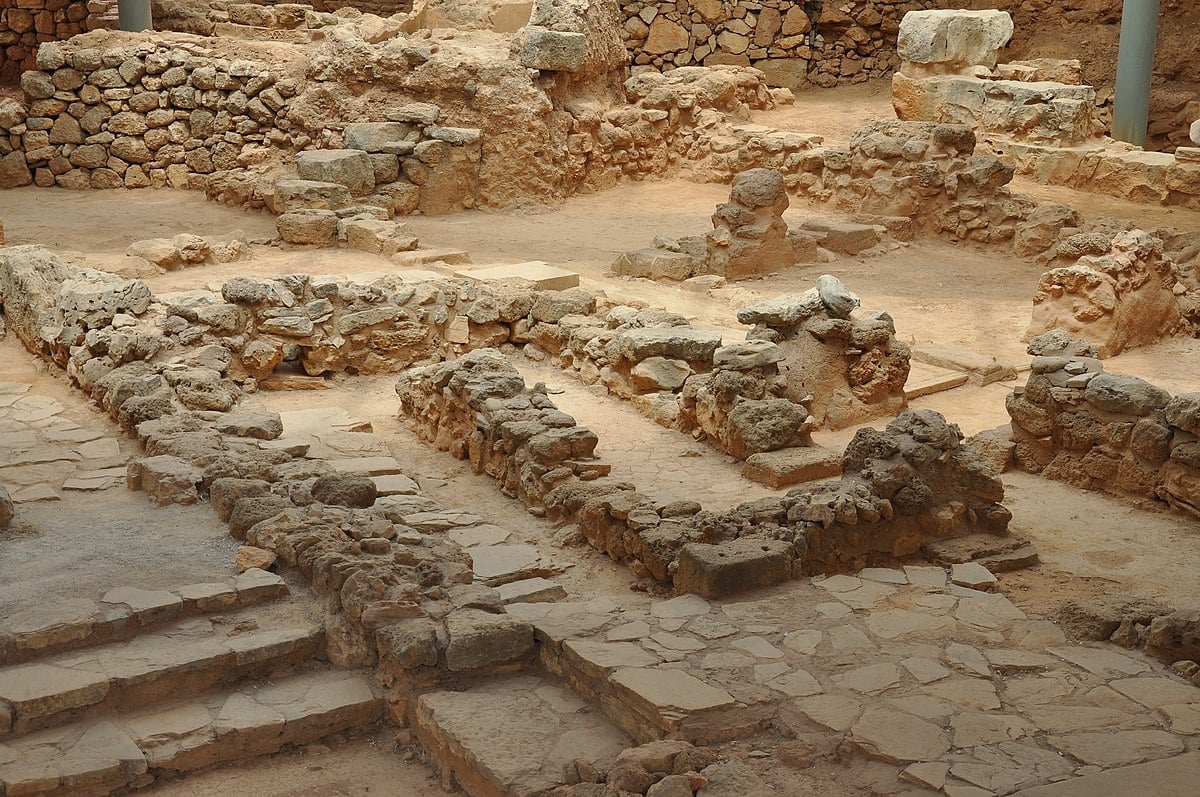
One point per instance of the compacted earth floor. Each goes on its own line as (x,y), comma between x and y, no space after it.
(79,529)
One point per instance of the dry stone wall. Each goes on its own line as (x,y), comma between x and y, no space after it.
(913,483)
(141,356)
(24,24)
(796,45)
(1075,423)
(478,408)
(146,114)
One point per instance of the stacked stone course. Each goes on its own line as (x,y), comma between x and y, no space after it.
(913,483)
(148,114)
(795,44)
(24,24)
(1075,423)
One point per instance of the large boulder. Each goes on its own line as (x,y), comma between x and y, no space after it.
(953,40)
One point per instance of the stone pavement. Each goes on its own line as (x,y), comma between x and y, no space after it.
(46,453)
(955,688)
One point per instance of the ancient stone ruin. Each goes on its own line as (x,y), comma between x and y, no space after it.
(377,416)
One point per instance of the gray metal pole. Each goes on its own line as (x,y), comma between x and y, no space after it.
(135,15)
(1135,67)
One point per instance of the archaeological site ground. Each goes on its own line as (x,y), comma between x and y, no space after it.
(573,398)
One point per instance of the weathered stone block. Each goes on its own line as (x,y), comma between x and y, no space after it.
(727,568)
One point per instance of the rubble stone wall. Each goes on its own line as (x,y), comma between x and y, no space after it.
(478,408)
(1075,423)
(911,483)
(141,356)
(796,44)
(152,114)
(24,24)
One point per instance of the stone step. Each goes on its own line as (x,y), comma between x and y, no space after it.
(512,736)
(623,679)
(182,659)
(131,749)
(57,626)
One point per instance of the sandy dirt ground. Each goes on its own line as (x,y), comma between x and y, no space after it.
(970,296)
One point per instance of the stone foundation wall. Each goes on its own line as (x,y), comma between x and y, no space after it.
(139,116)
(796,44)
(912,483)
(24,24)
(140,356)
(1097,431)
(478,408)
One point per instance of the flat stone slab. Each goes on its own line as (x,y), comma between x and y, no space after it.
(981,369)
(498,564)
(670,691)
(925,380)
(544,277)
(366,466)
(395,484)
(319,420)
(425,257)
(1176,776)
(897,737)
(513,735)
(531,590)
(789,466)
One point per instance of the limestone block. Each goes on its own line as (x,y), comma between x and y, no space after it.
(166,479)
(377,236)
(479,639)
(655,264)
(727,568)
(847,238)
(953,39)
(310,194)
(1194,132)
(684,343)
(794,465)
(377,136)
(665,37)
(788,73)
(349,167)
(659,373)
(551,50)
(316,227)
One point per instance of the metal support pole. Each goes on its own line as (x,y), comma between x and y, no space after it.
(135,15)
(1135,67)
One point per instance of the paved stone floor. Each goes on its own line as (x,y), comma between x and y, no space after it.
(956,688)
(47,453)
